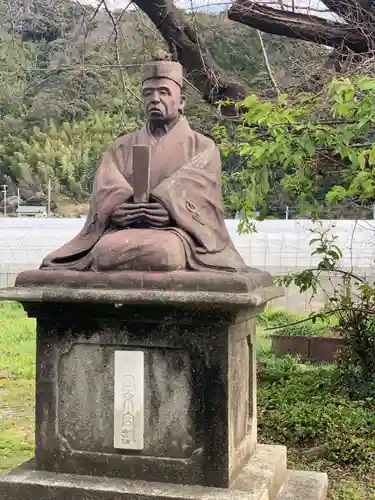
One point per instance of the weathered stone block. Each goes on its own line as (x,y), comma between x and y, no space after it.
(257,481)
(199,393)
(305,485)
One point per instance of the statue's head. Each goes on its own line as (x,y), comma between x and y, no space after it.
(162,89)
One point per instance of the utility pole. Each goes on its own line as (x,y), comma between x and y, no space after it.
(287,212)
(18,202)
(49,198)
(5,187)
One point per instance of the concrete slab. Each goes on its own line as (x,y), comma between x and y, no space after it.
(304,485)
(267,462)
(259,480)
(26,483)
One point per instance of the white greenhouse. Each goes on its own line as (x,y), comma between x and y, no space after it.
(278,246)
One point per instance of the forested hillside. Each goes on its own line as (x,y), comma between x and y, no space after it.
(70,85)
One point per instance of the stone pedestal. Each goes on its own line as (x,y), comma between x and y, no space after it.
(197,414)
(144,386)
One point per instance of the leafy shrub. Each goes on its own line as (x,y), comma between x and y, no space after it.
(277,317)
(306,329)
(357,358)
(274,368)
(305,408)
(291,324)
(352,303)
(303,134)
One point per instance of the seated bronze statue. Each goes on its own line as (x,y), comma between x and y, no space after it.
(179,222)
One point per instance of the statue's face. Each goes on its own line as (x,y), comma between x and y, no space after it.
(162,99)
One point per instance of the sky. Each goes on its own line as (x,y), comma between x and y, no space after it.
(222,5)
(201,5)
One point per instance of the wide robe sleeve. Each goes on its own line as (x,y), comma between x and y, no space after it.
(110,190)
(192,196)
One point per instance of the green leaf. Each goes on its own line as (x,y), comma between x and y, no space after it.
(367,84)
(371,157)
(336,194)
(250,101)
(362,157)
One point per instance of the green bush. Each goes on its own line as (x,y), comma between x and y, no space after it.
(277,317)
(306,329)
(350,309)
(356,360)
(286,323)
(305,408)
(275,368)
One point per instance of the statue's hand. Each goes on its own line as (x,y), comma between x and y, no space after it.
(156,215)
(126,215)
(149,214)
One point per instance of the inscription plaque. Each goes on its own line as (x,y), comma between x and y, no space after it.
(129,400)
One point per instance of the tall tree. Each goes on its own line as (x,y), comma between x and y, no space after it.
(348,30)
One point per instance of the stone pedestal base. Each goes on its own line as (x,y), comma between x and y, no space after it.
(154,382)
(264,478)
(146,390)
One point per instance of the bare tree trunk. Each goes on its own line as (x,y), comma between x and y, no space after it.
(353,35)
(299,26)
(187,47)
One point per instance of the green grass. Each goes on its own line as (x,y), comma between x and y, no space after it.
(16,422)
(17,343)
(299,406)
(17,372)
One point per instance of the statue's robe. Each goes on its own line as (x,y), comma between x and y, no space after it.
(186,178)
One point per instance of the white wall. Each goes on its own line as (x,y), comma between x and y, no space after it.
(278,246)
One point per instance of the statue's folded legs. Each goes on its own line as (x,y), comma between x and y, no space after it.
(138,249)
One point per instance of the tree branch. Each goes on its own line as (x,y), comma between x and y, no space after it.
(299,26)
(267,63)
(118,58)
(189,50)
(352,11)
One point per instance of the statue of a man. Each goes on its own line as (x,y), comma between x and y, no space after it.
(181,226)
